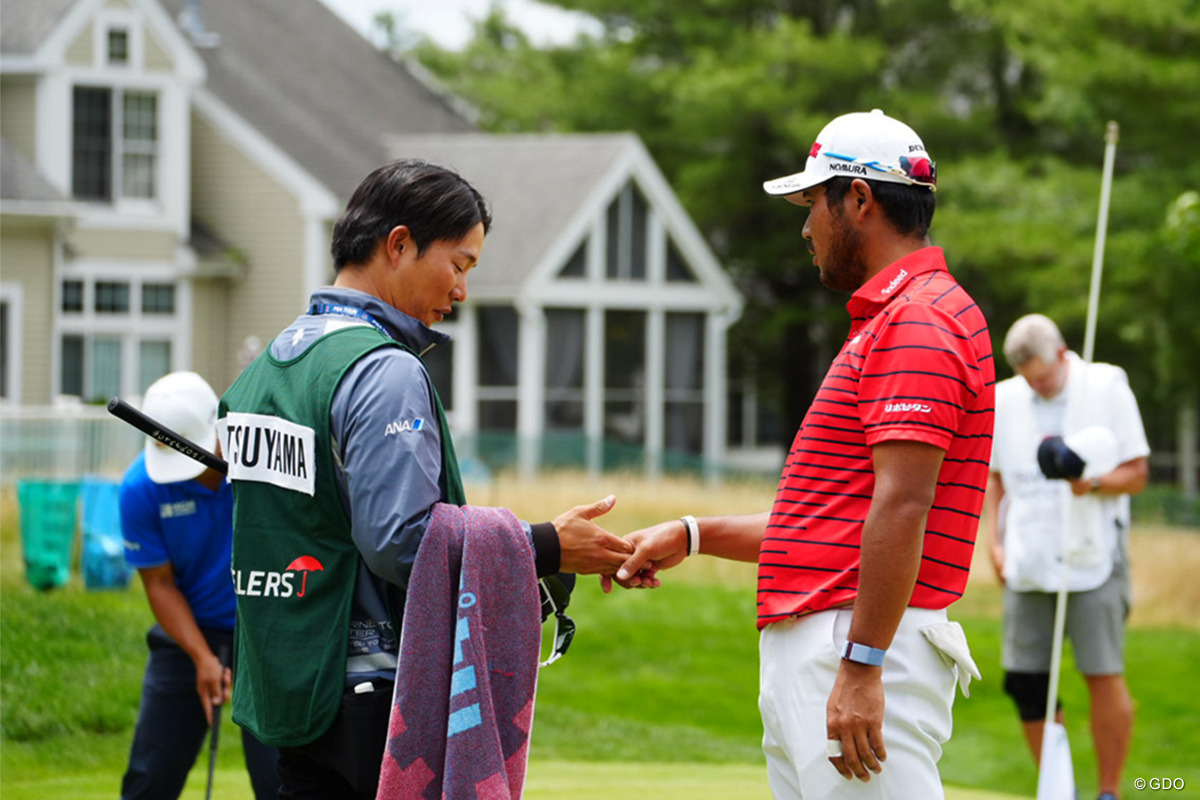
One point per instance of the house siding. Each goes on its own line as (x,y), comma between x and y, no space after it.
(258,218)
(18,120)
(156,58)
(27,253)
(81,52)
(123,245)
(214,345)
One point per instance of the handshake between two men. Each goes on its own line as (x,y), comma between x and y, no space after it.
(634,561)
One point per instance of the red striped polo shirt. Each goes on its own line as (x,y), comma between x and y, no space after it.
(916,366)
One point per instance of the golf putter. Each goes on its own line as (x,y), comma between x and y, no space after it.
(215,732)
(164,435)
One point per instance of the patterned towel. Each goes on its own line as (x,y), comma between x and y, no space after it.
(463,706)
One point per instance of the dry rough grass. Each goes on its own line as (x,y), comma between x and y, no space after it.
(1166,561)
(1166,578)
(641,502)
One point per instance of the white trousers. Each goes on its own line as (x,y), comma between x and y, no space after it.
(799,660)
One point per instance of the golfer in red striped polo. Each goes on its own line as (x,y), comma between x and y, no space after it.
(874,522)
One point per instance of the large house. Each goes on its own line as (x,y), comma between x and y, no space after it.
(170,171)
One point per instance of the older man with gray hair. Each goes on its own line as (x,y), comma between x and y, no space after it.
(1069,451)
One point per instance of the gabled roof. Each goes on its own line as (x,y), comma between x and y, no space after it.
(545,191)
(314,86)
(25,24)
(536,184)
(295,72)
(24,191)
(20,180)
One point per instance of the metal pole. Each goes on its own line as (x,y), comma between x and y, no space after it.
(1089,343)
(1111,134)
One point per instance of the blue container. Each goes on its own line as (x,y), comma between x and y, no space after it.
(103,558)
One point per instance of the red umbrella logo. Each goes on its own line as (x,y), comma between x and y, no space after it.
(305,564)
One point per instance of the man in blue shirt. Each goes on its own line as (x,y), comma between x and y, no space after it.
(177,520)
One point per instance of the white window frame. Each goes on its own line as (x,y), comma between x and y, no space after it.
(626,208)
(131,23)
(11,293)
(500,394)
(131,328)
(120,78)
(119,148)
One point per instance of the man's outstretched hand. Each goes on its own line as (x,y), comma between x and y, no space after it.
(588,549)
(659,547)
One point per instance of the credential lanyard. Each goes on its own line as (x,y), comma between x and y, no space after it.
(348,311)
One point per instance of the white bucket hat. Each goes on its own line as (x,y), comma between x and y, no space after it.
(185,403)
(872,146)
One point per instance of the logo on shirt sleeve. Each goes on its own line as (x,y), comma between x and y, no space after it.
(404,426)
(898,408)
(270,450)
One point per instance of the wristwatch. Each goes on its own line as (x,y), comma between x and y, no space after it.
(1095,487)
(862,654)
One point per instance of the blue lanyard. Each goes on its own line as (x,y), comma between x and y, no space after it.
(348,311)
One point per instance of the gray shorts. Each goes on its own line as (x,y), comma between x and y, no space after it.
(1095,625)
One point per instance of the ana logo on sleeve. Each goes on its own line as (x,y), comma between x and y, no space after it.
(270,450)
(404,426)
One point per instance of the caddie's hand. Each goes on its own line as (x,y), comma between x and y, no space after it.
(588,549)
(214,682)
(1080,486)
(661,546)
(854,719)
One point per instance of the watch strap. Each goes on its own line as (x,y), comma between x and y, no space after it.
(864,654)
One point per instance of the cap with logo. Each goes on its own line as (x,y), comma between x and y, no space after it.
(869,145)
(185,403)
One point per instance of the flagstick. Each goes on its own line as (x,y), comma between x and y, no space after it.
(1089,343)
(1089,339)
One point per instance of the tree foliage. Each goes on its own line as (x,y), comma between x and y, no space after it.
(1012,99)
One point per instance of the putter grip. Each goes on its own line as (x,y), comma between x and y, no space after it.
(164,435)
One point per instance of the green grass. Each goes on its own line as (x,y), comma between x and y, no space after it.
(666,677)
(658,696)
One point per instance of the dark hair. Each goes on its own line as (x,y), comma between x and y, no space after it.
(435,203)
(909,208)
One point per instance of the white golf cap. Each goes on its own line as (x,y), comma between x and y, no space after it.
(185,403)
(1096,446)
(868,145)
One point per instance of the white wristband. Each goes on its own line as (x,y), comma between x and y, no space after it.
(693,534)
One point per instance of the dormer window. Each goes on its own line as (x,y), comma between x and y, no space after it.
(118,46)
(115,147)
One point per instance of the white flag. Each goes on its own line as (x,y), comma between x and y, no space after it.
(1056,776)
